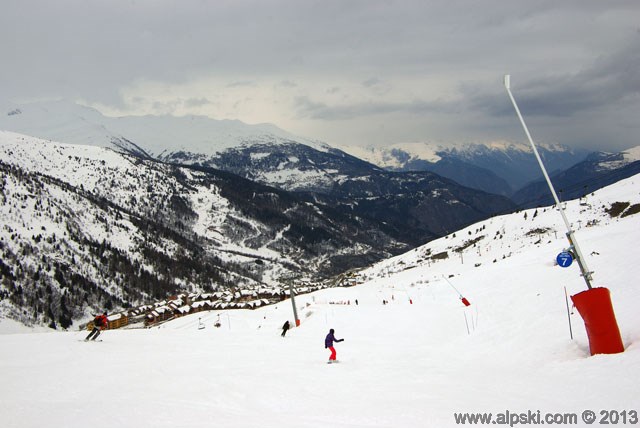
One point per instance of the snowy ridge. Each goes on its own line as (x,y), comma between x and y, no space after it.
(395,156)
(605,161)
(632,154)
(383,157)
(615,161)
(158,135)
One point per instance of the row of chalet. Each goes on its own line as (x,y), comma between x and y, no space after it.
(185,304)
(171,309)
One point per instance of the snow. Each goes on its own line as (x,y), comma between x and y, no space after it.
(382,156)
(628,156)
(295,178)
(259,156)
(632,154)
(9,326)
(410,363)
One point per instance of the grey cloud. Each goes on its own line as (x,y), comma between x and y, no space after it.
(287,84)
(171,106)
(605,82)
(166,107)
(241,84)
(567,58)
(371,82)
(307,108)
(196,102)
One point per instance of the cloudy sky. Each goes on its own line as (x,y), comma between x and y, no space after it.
(344,72)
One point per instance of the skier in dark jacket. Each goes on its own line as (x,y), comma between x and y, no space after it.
(286,326)
(328,343)
(100,322)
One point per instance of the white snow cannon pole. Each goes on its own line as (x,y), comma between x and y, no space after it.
(586,274)
(293,303)
(594,304)
(462,299)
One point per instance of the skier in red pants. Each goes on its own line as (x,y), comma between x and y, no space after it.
(328,343)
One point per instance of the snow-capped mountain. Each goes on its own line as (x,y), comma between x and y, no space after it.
(286,165)
(595,172)
(499,167)
(93,226)
(270,156)
(262,153)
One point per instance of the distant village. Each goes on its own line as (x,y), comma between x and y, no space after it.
(189,303)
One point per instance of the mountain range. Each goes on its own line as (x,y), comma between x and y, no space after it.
(499,167)
(87,227)
(272,156)
(595,172)
(110,212)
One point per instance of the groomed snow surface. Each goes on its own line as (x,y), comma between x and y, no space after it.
(413,362)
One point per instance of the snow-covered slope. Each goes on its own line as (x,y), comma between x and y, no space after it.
(416,361)
(87,226)
(621,159)
(632,154)
(93,227)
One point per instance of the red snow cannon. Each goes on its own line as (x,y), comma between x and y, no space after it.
(594,305)
(465,301)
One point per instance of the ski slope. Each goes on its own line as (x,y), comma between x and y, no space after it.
(413,362)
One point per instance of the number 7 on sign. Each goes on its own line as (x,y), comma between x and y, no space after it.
(564,259)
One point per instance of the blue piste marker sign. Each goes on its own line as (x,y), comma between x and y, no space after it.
(564,259)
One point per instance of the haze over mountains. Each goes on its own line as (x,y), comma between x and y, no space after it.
(270,155)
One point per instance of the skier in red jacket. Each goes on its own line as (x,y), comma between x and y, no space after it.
(100,322)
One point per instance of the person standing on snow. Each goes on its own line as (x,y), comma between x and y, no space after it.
(100,322)
(285,327)
(328,343)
